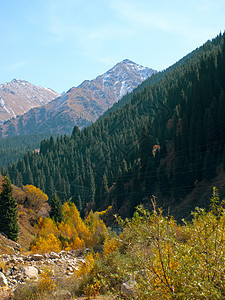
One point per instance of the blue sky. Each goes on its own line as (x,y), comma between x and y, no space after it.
(59,43)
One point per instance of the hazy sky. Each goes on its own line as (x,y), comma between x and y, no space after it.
(60,43)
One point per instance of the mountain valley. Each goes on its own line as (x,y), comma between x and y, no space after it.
(138,190)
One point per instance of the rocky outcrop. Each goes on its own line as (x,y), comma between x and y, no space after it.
(18,269)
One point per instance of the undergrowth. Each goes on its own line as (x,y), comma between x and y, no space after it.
(161,258)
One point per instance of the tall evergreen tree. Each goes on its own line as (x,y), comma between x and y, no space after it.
(56,208)
(8,208)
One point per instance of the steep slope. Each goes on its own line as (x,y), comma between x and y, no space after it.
(81,105)
(26,219)
(19,96)
(157,77)
(112,161)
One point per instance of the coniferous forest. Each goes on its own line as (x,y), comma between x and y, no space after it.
(165,138)
(13,148)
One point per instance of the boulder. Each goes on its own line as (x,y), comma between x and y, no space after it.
(31,272)
(20,260)
(69,268)
(128,288)
(3,280)
(63,294)
(17,246)
(54,255)
(37,257)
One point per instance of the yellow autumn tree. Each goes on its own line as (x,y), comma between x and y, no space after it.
(35,196)
(48,226)
(97,228)
(47,239)
(46,244)
(71,233)
(67,230)
(72,217)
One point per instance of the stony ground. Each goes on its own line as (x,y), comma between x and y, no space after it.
(18,269)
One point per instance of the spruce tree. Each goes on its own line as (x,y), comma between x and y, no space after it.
(56,209)
(8,207)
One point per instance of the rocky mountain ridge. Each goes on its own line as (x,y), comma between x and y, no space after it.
(19,96)
(81,105)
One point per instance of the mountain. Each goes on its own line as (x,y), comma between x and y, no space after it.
(19,96)
(81,105)
(167,141)
(161,75)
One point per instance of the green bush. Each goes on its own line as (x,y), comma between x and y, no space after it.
(167,260)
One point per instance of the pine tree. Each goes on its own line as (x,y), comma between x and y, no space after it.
(105,188)
(8,208)
(75,132)
(56,209)
(79,203)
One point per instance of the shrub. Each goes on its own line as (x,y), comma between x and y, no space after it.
(166,260)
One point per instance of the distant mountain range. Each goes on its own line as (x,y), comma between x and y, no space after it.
(80,106)
(19,96)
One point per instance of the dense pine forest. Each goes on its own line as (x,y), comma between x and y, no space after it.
(163,139)
(13,148)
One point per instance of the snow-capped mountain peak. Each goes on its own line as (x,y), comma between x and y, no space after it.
(18,96)
(122,78)
(79,106)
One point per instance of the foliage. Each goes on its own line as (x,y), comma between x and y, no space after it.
(71,233)
(92,290)
(87,266)
(35,196)
(8,208)
(110,245)
(166,260)
(97,228)
(46,244)
(43,289)
(45,282)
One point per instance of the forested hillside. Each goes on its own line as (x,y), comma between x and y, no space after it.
(13,148)
(166,140)
(155,78)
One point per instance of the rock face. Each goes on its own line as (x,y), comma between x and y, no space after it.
(19,96)
(81,105)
